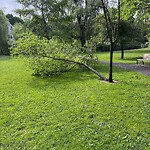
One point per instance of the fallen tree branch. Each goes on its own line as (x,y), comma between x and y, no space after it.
(79,63)
(68,61)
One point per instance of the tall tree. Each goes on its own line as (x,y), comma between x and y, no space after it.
(129,33)
(85,12)
(65,18)
(112,19)
(3,33)
(138,12)
(38,14)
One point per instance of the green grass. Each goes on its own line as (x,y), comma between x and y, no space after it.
(130,56)
(73,111)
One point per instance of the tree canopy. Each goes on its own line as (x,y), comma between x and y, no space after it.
(3,33)
(13,19)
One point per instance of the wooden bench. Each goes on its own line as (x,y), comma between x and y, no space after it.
(146,58)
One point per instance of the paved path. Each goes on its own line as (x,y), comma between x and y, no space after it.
(144,69)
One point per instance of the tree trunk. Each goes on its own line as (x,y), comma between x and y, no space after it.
(95,72)
(82,39)
(122,51)
(46,32)
(81,30)
(111,63)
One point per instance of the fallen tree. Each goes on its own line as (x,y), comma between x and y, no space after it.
(49,57)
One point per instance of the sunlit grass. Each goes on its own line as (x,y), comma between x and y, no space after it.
(130,56)
(72,111)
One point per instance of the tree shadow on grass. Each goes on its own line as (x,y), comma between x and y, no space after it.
(132,58)
(5,58)
(139,51)
(63,79)
(69,78)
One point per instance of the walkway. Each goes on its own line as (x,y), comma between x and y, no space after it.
(144,69)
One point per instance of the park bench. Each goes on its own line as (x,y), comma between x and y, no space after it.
(146,58)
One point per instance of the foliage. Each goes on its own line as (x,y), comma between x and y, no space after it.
(148,37)
(137,9)
(84,13)
(13,19)
(67,19)
(3,33)
(137,12)
(48,57)
(19,29)
(72,111)
(129,31)
(45,18)
(129,36)
(99,33)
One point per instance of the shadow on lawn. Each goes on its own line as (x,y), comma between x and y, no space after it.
(61,80)
(71,77)
(139,51)
(5,58)
(131,58)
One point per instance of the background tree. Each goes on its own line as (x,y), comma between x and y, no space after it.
(134,24)
(46,18)
(37,14)
(13,19)
(129,36)
(85,11)
(66,19)
(137,12)
(3,33)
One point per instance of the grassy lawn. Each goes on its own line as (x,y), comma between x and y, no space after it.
(130,56)
(73,111)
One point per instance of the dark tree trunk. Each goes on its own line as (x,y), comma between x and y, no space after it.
(111,63)
(122,51)
(5,49)
(82,38)
(45,28)
(81,30)
(1,52)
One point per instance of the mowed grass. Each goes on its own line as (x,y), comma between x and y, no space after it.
(130,56)
(73,111)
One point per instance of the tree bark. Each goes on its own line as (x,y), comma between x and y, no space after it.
(82,31)
(46,33)
(111,63)
(122,51)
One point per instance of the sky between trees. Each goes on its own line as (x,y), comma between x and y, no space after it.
(8,6)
